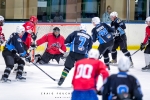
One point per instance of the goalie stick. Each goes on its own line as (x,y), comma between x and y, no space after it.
(45,72)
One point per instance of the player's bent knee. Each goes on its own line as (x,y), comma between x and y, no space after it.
(21,62)
(9,61)
(124,50)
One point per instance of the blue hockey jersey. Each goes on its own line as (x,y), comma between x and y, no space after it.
(119,26)
(117,84)
(79,41)
(103,33)
(15,43)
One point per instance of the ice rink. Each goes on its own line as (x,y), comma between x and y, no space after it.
(38,86)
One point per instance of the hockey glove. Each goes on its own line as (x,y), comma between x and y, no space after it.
(98,92)
(28,59)
(33,36)
(142,46)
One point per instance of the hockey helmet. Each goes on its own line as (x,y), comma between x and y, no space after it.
(114,14)
(93,53)
(56,29)
(147,20)
(96,20)
(34,19)
(20,29)
(124,63)
(1,20)
(83,27)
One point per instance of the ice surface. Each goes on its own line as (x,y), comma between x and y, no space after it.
(38,86)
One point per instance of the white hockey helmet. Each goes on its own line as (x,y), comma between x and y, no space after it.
(93,53)
(124,63)
(96,20)
(147,19)
(20,29)
(114,14)
(83,27)
(1,18)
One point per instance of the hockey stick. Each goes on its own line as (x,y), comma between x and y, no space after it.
(44,72)
(33,51)
(135,52)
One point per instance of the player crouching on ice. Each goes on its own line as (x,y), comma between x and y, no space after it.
(86,76)
(55,49)
(13,47)
(147,49)
(122,86)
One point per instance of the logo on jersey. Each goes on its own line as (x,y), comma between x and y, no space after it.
(55,46)
(81,48)
(118,21)
(108,36)
(19,40)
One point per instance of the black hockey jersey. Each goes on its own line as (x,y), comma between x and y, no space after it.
(103,33)
(121,82)
(79,41)
(14,43)
(119,26)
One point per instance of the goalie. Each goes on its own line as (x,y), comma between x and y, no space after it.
(55,47)
(2,36)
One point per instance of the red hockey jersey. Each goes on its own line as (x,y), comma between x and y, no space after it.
(54,43)
(29,27)
(86,73)
(147,36)
(2,36)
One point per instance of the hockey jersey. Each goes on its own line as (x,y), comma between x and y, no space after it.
(147,35)
(2,36)
(103,33)
(54,43)
(15,43)
(86,73)
(119,26)
(121,82)
(79,41)
(26,38)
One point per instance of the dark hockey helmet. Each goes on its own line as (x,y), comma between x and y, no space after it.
(56,29)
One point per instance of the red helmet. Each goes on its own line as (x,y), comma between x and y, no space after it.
(33,19)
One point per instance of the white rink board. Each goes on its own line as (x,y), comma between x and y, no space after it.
(38,83)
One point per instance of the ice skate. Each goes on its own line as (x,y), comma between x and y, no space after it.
(146,68)
(20,78)
(24,73)
(3,79)
(113,62)
(61,81)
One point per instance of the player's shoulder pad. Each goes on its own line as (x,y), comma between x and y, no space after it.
(19,40)
(118,20)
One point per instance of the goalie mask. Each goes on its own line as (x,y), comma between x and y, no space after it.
(56,31)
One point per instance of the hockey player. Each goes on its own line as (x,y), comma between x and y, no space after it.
(54,48)
(104,34)
(80,43)
(13,47)
(2,36)
(120,38)
(29,35)
(86,75)
(147,49)
(122,86)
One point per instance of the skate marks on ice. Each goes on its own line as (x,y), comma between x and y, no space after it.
(59,88)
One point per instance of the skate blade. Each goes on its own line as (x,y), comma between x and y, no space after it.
(18,80)
(145,70)
(5,81)
(113,64)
